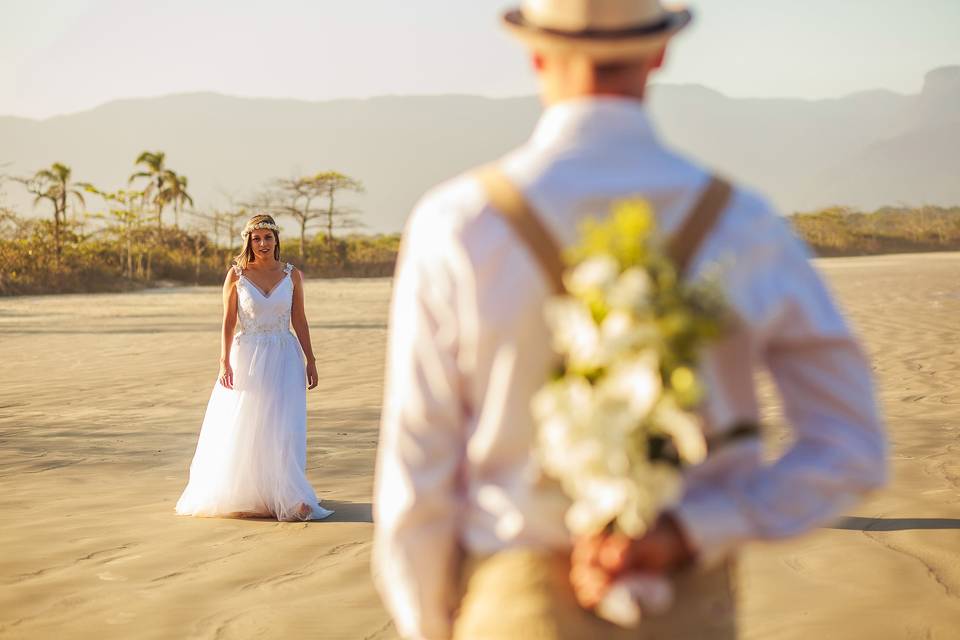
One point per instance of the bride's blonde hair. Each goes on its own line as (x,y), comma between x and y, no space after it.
(260,221)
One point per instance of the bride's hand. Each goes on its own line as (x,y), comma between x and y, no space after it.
(226,375)
(312,377)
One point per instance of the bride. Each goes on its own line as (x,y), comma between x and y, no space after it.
(252,453)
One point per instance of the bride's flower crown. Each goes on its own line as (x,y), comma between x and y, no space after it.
(260,225)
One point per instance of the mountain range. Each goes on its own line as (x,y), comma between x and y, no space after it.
(864,150)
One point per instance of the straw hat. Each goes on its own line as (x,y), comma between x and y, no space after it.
(605,30)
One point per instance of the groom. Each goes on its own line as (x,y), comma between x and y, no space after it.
(469,543)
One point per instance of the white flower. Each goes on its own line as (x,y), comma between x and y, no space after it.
(548,401)
(612,418)
(684,429)
(563,411)
(633,597)
(617,334)
(631,291)
(556,436)
(656,487)
(600,501)
(593,275)
(636,382)
(575,334)
(621,333)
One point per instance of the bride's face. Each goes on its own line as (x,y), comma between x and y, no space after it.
(262,241)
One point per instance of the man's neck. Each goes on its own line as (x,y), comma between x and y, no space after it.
(572,77)
(582,83)
(551,98)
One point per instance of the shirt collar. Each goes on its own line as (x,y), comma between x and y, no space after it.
(594,119)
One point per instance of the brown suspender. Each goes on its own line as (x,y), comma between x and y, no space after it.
(510,203)
(682,247)
(685,243)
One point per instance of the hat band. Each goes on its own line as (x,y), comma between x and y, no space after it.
(597,34)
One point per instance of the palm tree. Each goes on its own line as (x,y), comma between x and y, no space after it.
(159,180)
(163,186)
(54,184)
(177,194)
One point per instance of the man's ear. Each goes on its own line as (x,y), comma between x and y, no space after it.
(538,62)
(658,58)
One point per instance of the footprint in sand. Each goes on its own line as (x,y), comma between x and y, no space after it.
(107,576)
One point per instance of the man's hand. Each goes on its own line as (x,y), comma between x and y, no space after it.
(662,550)
(589,579)
(599,560)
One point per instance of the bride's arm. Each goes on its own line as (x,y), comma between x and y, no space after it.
(299,321)
(229,327)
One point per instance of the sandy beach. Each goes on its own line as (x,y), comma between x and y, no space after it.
(101,398)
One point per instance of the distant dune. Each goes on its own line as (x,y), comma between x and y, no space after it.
(865,150)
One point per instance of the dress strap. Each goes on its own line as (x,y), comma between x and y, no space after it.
(237,270)
(288,268)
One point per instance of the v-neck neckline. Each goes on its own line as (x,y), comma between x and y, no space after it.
(266,296)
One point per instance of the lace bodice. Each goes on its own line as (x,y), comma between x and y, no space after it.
(264,313)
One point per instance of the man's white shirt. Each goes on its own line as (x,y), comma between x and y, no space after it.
(468,347)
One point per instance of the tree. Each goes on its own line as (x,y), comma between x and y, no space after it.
(8,216)
(226,222)
(200,244)
(296,197)
(5,210)
(126,208)
(54,184)
(232,222)
(177,194)
(335,182)
(164,186)
(293,197)
(10,223)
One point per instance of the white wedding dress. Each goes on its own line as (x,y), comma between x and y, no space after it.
(252,453)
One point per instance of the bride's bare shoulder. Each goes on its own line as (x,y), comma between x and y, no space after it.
(233,274)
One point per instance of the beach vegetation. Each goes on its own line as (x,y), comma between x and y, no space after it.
(843,231)
(102,240)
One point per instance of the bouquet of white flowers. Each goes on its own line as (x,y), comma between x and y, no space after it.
(617,421)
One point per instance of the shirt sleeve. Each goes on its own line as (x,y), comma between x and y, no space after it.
(421,441)
(839,451)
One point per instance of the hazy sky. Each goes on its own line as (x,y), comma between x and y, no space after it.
(60,56)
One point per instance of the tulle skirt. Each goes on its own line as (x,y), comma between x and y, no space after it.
(251,457)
